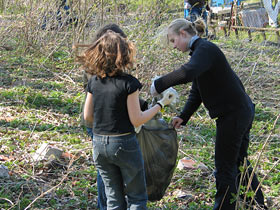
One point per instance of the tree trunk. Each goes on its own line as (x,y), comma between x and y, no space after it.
(116,12)
(102,12)
(272,13)
(2,6)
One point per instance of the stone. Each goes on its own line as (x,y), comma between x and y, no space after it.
(4,172)
(181,194)
(45,151)
(189,164)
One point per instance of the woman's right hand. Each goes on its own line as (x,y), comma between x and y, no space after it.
(176,122)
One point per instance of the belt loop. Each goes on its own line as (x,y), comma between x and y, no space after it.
(104,140)
(107,139)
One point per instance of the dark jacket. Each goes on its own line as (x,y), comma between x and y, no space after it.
(213,82)
(197,3)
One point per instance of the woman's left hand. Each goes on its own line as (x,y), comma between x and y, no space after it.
(176,122)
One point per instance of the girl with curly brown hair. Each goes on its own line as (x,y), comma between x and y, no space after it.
(112,104)
(101,199)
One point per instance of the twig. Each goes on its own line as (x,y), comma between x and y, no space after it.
(242,175)
(258,159)
(6,199)
(253,70)
(18,198)
(274,165)
(33,129)
(244,56)
(46,192)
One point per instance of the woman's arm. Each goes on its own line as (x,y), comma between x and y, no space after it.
(192,104)
(136,116)
(88,108)
(200,62)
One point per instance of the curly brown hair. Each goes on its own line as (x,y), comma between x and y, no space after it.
(110,55)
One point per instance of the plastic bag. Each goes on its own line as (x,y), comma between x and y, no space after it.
(159,146)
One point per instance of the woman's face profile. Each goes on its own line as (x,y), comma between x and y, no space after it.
(179,41)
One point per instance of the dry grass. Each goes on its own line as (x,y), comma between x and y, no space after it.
(41,92)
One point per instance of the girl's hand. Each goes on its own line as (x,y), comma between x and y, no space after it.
(176,122)
(168,98)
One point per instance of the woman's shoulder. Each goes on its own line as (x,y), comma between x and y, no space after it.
(203,41)
(206,45)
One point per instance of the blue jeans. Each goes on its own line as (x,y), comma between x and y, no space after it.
(101,199)
(121,166)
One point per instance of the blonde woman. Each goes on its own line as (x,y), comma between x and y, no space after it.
(216,85)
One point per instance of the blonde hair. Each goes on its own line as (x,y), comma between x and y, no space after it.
(200,26)
(109,55)
(192,28)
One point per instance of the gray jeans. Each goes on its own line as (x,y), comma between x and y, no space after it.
(121,166)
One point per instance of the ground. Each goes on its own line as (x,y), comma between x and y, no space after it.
(41,94)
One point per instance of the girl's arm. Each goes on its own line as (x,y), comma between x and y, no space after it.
(88,108)
(136,116)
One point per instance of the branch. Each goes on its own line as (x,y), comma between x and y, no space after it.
(46,192)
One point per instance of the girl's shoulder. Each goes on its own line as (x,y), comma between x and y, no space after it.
(128,77)
(92,78)
(132,83)
(124,77)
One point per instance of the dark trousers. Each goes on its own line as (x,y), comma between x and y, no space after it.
(232,140)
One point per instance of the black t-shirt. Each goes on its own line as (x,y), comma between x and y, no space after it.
(110,103)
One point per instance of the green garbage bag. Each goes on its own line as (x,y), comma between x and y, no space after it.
(159,146)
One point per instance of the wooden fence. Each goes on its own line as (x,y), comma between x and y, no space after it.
(229,19)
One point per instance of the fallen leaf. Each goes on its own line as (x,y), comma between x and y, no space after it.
(67,155)
(5,158)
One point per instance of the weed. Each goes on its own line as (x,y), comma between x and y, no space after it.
(41,93)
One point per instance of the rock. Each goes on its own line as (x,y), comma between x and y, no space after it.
(4,172)
(189,164)
(3,158)
(202,166)
(45,151)
(269,202)
(183,194)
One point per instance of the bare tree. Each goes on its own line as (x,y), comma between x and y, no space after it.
(2,6)
(272,12)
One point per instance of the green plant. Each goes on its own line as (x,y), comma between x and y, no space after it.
(41,93)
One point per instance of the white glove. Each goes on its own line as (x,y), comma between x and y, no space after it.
(153,88)
(171,91)
(137,129)
(168,98)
